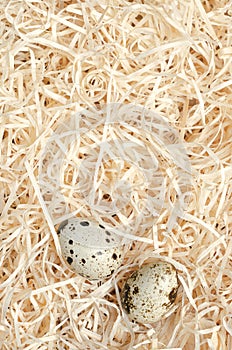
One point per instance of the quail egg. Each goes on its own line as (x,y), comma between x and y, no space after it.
(90,249)
(150,292)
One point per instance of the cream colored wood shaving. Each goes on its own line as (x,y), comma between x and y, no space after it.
(119,111)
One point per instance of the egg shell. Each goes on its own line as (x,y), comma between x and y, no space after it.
(90,249)
(150,292)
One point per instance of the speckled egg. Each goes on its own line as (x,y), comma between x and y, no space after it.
(90,249)
(150,292)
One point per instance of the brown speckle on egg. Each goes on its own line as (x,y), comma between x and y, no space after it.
(70,260)
(84,223)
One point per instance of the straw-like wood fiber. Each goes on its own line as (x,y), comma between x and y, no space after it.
(64,62)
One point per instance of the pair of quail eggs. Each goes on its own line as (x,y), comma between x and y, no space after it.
(96,253)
